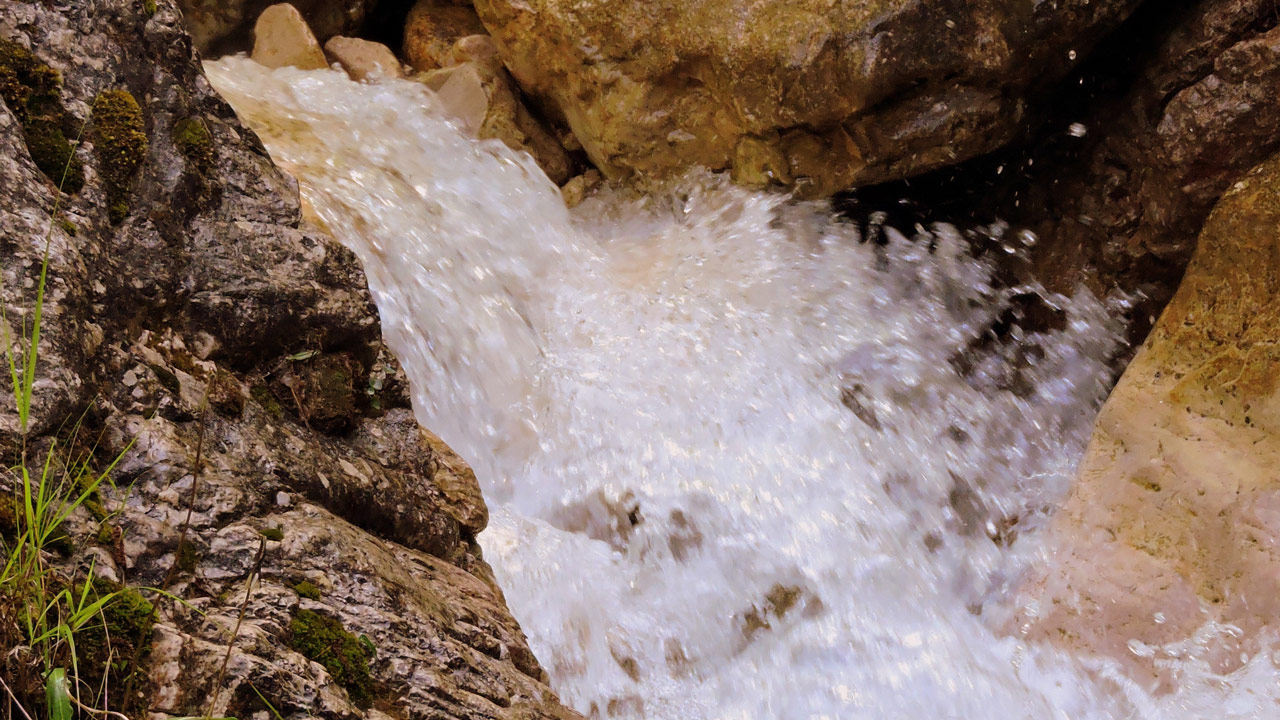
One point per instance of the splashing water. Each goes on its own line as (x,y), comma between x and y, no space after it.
(733,469)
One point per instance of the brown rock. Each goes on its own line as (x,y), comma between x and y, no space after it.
(579,188)
(479,49)
(431,30)
(461,91)
(1125,206)
(848,93)
(1173,519)
(223,26)
(363,59)
(281,37)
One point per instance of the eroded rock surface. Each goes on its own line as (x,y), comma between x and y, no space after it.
(272,468)
(1173,519)
(817,95)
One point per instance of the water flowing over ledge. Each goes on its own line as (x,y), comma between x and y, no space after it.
(688,520)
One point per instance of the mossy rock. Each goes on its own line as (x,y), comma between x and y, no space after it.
(262,395)
(110,646)
(323,639)
(186,556)
(307,589)
(192,138)
(33,93)
(120,140)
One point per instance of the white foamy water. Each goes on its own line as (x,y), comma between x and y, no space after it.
(687,520)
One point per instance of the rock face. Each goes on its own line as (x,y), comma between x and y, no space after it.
(1197,110)
(271,468)
(222,26)
(817,95)
(1175,512)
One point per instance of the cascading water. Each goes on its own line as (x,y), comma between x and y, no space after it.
(732,468)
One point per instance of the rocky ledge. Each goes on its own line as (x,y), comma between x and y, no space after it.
(315,547)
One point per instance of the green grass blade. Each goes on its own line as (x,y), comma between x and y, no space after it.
(56,695)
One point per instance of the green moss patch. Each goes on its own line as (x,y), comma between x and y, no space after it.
(323,639)
(110,643)
(272,533)
(120,140)
(193,140)
(33,93)
(307,589)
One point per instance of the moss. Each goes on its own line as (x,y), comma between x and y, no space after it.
(61,543)
(8,520)
(33,93)
(68,227)
(167,378)
(108,644)
(264,397)
(186,556)
(307,589)
(193,140)
(149,7)
(106,534)
(323,639)
(121,144)
(272,533)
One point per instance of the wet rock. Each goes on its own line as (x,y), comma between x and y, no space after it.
(431,30)
(281,37)
(816,95)
(177,326)
(363,59)
(221,27)
(1172,520)
(485,103)
(579,188)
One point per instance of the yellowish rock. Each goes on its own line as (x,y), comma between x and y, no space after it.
(432,28)
(282,37)
(363,59)
(581,187)
(1175,517)
(849,92)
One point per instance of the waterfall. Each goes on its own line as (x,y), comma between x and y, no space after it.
(733,466)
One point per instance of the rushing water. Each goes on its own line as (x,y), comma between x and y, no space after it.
(687,519)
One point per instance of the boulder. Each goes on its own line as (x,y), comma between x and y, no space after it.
(281,37)
(220,27)
(363,59)
(271,474)
(1172,522)
(812,94)
(431,30)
